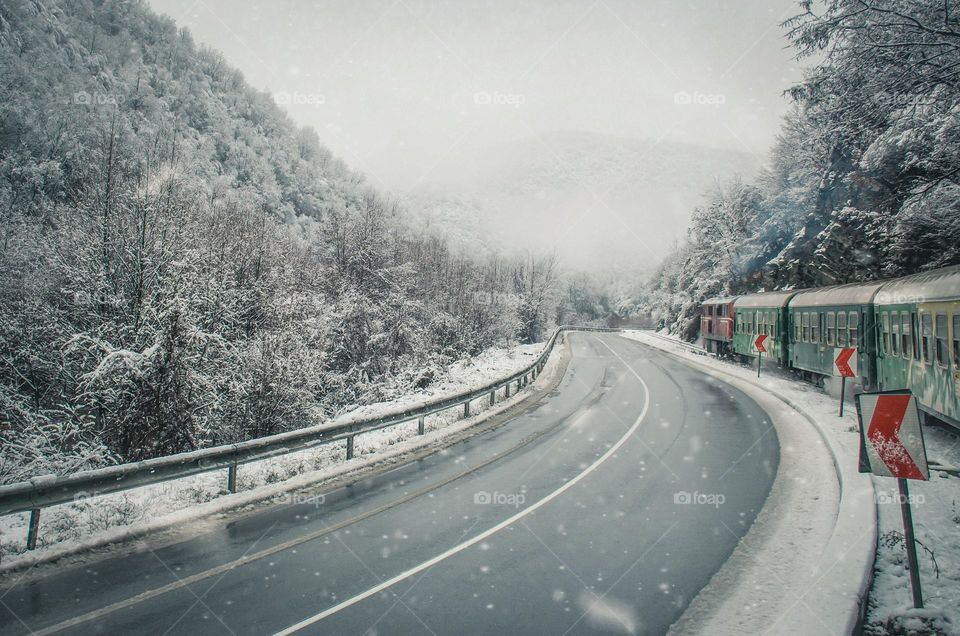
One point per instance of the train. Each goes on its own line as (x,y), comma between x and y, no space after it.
(906,332)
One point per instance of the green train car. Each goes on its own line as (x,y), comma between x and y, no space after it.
(761,313)
(823,320)
(918,341)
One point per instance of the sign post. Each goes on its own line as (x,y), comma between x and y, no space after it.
(891,445)
(844,365)
(761,349)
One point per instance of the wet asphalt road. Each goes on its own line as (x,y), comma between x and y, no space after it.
(604,508)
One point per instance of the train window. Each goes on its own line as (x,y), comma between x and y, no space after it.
(853,325)
(815,327)
(805,321)
(895,337)
(831,328)
(956,341)
(796,327)
(885,333)
(943,357)
(905,335)
(841,329)
(770,330)
(926,336)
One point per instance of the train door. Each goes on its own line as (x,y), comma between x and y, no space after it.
(956,353)
(883,353)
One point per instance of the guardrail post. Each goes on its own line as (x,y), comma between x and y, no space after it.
(493,397)
(466,408)
(34,529)
(350,447)
(232,478)
(420,425)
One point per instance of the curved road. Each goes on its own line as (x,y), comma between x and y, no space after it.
(603,508)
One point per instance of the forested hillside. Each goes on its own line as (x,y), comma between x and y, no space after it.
(181,266)
(864,179)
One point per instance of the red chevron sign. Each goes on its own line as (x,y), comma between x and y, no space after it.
(759,342)
(845,362)
(891,442)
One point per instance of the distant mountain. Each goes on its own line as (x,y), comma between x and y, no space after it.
(599,200)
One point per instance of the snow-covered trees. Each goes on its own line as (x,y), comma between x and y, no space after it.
(865,175)
(181,266)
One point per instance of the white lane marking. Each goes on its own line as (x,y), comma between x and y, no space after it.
(316,618)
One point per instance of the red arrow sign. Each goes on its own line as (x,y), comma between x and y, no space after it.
(845,362)
(883,435)
(758,343)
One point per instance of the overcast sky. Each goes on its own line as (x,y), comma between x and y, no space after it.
(399,88)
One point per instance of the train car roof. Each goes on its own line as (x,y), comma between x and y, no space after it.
(765,299)
(849,294)
(936,285)
(720,300)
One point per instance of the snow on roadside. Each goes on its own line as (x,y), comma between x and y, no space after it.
(87,520)
(936,508)
(936,517)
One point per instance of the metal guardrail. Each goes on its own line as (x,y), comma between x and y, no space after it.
(51,490)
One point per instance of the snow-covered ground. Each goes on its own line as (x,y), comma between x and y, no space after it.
(936,505)
(94,521)
(936,519)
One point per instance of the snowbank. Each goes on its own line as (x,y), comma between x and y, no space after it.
(99,521)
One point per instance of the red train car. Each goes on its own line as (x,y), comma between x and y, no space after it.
(716,324)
